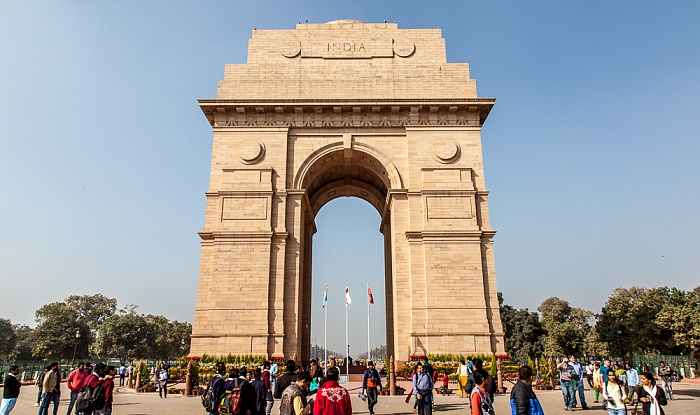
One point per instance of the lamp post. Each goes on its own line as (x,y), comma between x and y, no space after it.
(75,349)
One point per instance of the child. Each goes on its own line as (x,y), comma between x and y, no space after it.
(445,384)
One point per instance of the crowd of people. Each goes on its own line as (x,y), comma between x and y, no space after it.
(313,390)
(299,391)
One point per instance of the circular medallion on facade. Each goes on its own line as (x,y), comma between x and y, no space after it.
(291,49)
(251,151)
(404,48)
(446,150)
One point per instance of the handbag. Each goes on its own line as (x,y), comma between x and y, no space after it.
(362,396)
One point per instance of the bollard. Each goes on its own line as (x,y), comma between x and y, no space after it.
(499,363)
(392,376)
(188,379)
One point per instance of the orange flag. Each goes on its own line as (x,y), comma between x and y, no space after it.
(369,292)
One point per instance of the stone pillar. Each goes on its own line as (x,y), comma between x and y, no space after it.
(188,379)
(499,364)
(392,376)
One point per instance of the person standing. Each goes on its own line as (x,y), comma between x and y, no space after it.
(111,372)
(523,400)
(162,378)
(260,392)
(614,394)
(75,382)
(578,371)
(49,386)
(370,382)
(331,398)
(632,383)
(480,401)
(285,380)
(216,384)
(40,384)
(267,379)
(567,391)
(666,379)
(597,381)
(293,398)
(651,396)
(122,374)
(423,390)
(10,391)
(462,377)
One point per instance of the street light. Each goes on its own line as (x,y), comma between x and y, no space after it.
(75,350)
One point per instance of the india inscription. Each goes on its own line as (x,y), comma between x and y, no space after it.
(365,110)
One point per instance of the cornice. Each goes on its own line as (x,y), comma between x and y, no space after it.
(463,112)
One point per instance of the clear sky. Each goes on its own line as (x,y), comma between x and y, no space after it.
(591,152)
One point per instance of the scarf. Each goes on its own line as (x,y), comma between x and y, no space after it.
(654,408)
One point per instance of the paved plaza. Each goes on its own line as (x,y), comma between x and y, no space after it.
(129,403)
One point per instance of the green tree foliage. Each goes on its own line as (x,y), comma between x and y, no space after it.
(683,318)
(172,338)
(127,336)
(628,322)
(92,309)
(25,342)
(8,339)
(58,323)
(566,327)
(55,333)
(522,330)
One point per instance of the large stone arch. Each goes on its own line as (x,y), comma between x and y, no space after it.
(346,109)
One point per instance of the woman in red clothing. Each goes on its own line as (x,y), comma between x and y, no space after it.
(109,391)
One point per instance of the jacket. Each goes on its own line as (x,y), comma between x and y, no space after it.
(287,400)
(50,382)
(523,400)
(282,383)
(332,399)
(371,374)
(11,388)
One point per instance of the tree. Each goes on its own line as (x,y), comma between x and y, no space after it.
(8,338)
(628,321)
(522,330)
(683,318)
(172,338)
(55,333)
(25,342)
(93,310)
(566,327)
(127,336)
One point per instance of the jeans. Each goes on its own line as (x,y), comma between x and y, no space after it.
(568,393)
(121,379)
(46,399)
(371,399)
(668,386)
(425,404)
(163,388)
(73,397)
(581,396)
(7,405)
(268,408)
(621,411)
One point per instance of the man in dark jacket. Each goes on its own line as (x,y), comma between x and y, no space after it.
(10,390)
(285,380)
(479,365)
(523,400)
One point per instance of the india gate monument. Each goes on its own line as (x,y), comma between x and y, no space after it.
(346,108)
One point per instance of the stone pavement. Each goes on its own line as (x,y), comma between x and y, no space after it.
(129,403)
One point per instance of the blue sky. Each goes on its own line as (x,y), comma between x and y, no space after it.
(590,152)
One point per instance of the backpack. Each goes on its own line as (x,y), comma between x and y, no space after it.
(209,399)
(90,399)
(231,402)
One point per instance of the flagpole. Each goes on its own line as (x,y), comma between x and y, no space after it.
(347,343)
(368,345)
(325,337)
(325,327)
